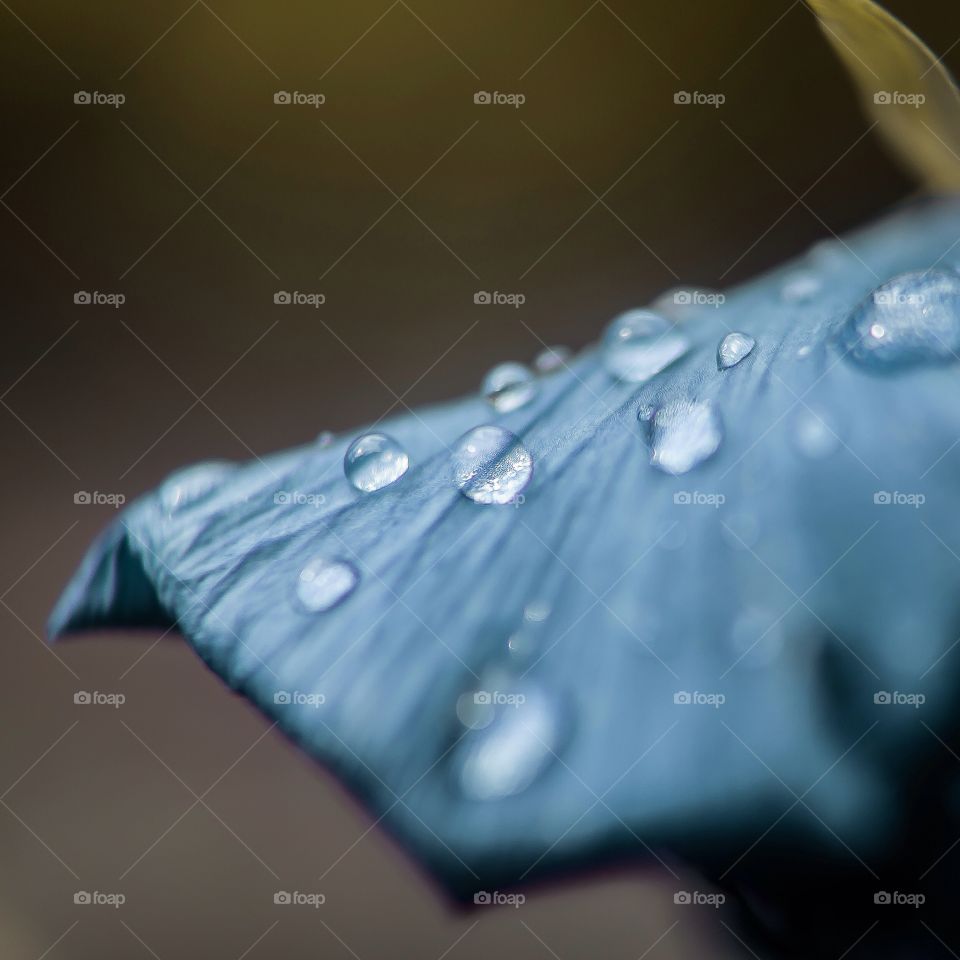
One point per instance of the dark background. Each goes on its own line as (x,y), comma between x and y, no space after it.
(199,363)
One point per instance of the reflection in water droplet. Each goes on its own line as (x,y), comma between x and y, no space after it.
(323,583)
(551,359)
(757,637)
(193,483)
(814,435)
(801,287)
(491,465)
(509,386)
(804,351)
(733,348)
(910,320)
(639,344)
(515,748)
(373,461)
(684,433)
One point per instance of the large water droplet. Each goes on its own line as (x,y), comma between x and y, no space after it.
(374,461)
(509,386)
(514,748)
(491,465)
(684,433)
(639,344)
(551,359)
(323,583)
(193,483)
(910,320)
(733,348)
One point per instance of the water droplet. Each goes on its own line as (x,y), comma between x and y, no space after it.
(910,320)
(323,583)
(733,348)
(325,439)
(537,611)
(639,344)
(373,461)
(684,433)
(513,749)
(491,465)
(509,386)
(551,359)
(800,287)
(804,351)
(814,435)
(474,711)
(193,483)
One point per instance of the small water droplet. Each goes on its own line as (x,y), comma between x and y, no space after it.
(910,320)
(814,435)
(325,439)
(509,386)
(551,359)
(193,483)
(733,348)
(639,344)
(684,433)
(491,465)
(800,287)
(537,611)
(323,583)
(804,351)
(513,749)
(374,461)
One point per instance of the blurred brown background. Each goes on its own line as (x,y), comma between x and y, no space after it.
(397,199)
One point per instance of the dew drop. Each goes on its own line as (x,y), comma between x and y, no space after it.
(491,465)
(513,749)
(552,359)
(509,386)
(684,433)
(192,484)
(374,461)
(323,583)
(733,348)
(325,439)
(536,611)
(639,344)
(910,320)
